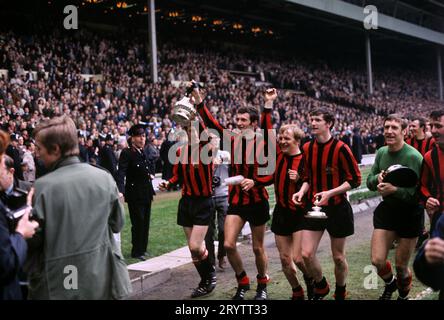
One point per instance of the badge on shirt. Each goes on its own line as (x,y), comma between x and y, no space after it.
(329,170)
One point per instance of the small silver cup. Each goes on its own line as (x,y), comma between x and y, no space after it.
(316,211)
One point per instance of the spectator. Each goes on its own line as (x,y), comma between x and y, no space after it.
(357,146)
(429,262)
(107,157)
(78,229)
(14,153)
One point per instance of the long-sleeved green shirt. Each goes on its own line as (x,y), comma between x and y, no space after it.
(407,156)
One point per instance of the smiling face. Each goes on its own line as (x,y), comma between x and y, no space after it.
(437,128)
(287,142)
(393,133)
(244,123)
(414,128)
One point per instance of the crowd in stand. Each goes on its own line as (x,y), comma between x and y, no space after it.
(123,94)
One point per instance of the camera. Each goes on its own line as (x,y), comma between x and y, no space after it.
(216,182)
(16,207)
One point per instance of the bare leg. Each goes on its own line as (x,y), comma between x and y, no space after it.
(258,233)
(310,243)
(232,228)
(285,248)
(341,266)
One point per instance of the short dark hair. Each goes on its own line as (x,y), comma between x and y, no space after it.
(326,114)
(422,121)
(437,114)
(397,118)
(252,111)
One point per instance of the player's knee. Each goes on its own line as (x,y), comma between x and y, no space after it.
(195,252)
(229,246)
(339,259)
(308,255)
(299,261)
(195,249)
(258,250)
(285,261)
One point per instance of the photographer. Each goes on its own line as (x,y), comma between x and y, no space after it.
(12,244)
(429,262)
(220,197)
(8,182)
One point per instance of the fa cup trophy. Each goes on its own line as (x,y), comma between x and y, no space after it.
(184,111)
(316,212)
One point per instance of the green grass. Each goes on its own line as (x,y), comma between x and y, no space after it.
(359,196)
(362,195)
(364,174)
(165,234)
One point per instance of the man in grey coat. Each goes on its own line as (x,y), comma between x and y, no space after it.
(79,209)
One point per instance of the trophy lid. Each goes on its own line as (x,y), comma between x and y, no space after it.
(183,111)
(401,176)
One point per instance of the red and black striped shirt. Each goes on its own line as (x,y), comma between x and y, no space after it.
(241,150)
(197,178)
(423,146)
(329,165)
(284,188)
(432,176)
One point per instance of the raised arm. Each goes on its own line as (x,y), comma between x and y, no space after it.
(265,121)
(205,114)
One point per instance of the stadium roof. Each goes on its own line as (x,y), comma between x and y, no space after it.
(262,18)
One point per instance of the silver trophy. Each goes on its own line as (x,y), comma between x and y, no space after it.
(184,111)
(316,211)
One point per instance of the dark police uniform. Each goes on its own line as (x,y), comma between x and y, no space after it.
(135,166)
(108,159)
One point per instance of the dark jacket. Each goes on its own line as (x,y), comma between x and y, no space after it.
(167,167)
(13,250)
(15,155)
(357,147)
(153,155)
(108,160)
(83,153)
(136,167)
(430,275)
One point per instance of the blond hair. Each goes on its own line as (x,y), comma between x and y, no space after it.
(60,131)
(298,134)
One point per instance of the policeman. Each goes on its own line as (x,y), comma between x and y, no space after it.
(137,188)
